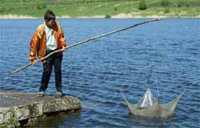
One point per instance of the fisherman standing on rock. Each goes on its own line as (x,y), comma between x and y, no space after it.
(47,38)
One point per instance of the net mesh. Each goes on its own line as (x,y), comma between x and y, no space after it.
(151,107)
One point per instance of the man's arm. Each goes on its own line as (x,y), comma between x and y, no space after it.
(62,40)
(34,45)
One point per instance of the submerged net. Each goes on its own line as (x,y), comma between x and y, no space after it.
(150,107)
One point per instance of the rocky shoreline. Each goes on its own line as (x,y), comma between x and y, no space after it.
(17,108)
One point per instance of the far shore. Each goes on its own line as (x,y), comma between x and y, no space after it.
(118,16)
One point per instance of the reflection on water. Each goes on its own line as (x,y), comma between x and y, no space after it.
(163,56)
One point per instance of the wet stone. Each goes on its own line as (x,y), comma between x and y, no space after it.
(28,106)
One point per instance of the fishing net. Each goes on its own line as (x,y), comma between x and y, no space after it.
(150,107)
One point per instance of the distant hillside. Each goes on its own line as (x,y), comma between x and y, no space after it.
(104,8)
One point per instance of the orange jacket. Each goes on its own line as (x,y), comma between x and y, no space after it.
(38,41)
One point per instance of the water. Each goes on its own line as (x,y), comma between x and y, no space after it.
(163,56)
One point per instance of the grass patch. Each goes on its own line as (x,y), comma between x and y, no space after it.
(76,8)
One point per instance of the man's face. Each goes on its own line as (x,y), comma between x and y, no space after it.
(50,23)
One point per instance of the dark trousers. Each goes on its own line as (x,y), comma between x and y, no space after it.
(54,60)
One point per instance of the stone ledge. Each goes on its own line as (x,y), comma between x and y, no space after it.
(23,106)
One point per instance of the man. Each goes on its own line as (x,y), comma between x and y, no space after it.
(47,38)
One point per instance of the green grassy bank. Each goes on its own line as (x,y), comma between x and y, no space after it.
(104,8)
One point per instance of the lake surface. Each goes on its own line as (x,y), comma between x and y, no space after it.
(163,56)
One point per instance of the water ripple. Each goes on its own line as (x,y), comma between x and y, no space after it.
(150,56)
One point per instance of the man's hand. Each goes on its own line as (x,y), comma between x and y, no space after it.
(63,48)
(44,61)
(34,62)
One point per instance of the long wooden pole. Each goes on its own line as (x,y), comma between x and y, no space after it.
(84,41)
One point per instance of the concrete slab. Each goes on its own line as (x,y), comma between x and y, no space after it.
(23,106)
